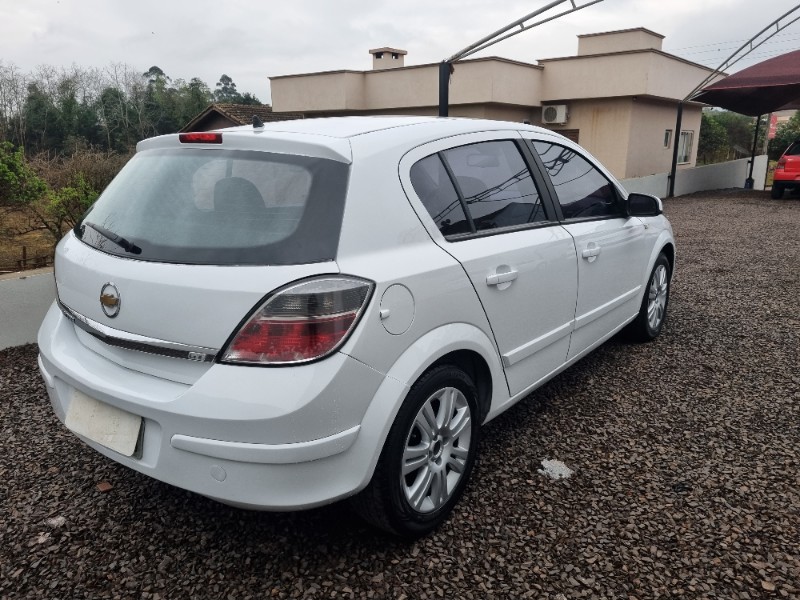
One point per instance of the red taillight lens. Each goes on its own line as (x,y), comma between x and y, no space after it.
(300,323)
(781,164)
(200,138)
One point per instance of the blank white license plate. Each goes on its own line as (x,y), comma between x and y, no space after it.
(112,427)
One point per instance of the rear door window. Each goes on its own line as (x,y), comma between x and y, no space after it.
(220,207)
(478,187)
(582,190)
(496,184)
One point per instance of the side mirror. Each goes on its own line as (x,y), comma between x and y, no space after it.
(643,205)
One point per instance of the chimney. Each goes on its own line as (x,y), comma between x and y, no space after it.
(387,58)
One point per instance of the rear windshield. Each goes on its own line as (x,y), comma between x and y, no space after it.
(220,207)
(793,150)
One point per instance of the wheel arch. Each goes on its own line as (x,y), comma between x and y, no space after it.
(474,365)
(461,344)
(669,251)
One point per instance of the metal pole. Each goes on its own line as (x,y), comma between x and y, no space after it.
(675,141)
(748,183)
(491,36)
(444,88)
(446,66)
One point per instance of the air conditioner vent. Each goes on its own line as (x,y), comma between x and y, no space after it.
(555,114)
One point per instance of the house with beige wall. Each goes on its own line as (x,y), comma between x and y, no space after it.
(617,96)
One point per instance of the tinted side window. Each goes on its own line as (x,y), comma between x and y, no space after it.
(582,190)
(496,183)
(793,150)
(434,188)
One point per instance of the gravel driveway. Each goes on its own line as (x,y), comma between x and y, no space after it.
(685,455)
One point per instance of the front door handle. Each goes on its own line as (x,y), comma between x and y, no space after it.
(591,252)
(499,278)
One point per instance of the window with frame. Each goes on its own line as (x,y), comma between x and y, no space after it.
(582,190)
(434,187)
(667,138)
(494,190)
(685,146)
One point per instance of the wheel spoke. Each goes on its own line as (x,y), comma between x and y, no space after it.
(458,424)
(414,457)
(457,460)
(446,403)
(426,427)
(419,489)
(429,417)
(439,489)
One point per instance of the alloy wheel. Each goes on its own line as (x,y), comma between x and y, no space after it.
(657,297)
(436,450)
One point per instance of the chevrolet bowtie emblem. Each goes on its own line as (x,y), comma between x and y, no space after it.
(110,300)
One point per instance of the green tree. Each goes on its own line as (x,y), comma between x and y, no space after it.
(739,129)
(66,205)
(713,144)
(226,91)
(44,129)
(19,183)
(191,99)
(248,98)
(161,102)
(786,134)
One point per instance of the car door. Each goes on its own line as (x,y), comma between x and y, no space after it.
(488,214)
(612,248)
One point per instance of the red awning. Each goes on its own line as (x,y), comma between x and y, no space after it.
(771,85)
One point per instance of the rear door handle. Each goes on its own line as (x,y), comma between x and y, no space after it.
(499,278)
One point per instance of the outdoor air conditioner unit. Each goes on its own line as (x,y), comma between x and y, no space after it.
(555,114)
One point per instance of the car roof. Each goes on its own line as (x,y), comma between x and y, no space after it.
(329,137)
(345,127)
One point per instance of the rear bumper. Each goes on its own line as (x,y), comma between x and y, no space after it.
(786,180)
(269,439)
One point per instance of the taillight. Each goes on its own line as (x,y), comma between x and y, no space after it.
(302,322)
(200,138)
(781,166)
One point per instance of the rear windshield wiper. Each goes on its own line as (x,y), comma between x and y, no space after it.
(120,241)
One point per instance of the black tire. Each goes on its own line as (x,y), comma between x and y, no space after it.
(777,191)
(384,503)
(656,295)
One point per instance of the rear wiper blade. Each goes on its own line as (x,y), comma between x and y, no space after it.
(120,241)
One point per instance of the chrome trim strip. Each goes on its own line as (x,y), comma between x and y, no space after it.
(138,343)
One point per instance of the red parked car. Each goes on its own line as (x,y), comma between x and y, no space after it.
(787,171)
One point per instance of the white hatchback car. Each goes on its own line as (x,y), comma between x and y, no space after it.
(281,316)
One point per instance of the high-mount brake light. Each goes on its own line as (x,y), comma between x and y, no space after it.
(200,138)
(301,322)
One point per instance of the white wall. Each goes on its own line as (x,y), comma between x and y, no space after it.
(709,177)
(24,300)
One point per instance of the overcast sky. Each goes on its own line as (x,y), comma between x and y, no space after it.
(251,41)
